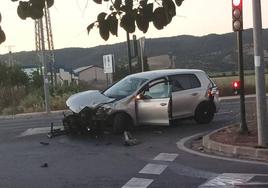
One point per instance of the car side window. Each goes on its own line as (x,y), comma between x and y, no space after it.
(184,81)
(158,89)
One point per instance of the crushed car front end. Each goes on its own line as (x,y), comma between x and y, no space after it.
(115,106)
(89,110)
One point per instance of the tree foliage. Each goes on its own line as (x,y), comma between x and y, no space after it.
(36,80)
(31,8)
(122,69)
(129,14)
(2,33)
(12,76)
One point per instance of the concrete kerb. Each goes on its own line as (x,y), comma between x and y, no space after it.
(34,114)
(183,146)
(234,151)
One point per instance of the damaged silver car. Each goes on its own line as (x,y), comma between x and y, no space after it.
(153,97)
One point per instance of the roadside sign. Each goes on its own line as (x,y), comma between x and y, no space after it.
(108,63)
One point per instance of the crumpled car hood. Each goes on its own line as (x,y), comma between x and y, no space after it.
(91,98)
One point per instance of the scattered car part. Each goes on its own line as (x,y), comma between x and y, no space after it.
(129,140)
(45,165)
(44,143)
(55,132)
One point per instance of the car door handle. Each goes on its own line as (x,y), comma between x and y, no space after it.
(163,104)
(194,94)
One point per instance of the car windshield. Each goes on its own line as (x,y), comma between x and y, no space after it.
(124,87)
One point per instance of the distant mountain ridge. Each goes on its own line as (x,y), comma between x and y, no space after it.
(213,53)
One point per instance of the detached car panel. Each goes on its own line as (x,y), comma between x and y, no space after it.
(153,97)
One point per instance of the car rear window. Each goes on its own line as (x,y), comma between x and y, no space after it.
(184,82)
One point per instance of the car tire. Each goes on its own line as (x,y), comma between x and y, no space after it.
(121,123)
(204,113)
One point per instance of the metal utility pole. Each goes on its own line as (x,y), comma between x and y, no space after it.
(44,67)
(129,54)
(49,44)
(45,51)
(260,75)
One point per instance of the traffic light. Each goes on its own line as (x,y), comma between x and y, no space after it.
(237,15)
(236,87)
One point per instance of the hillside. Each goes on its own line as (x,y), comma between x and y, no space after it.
(213,53)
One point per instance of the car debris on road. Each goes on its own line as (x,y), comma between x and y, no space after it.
(55,132)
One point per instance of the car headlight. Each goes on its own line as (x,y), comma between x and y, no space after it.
(102,110)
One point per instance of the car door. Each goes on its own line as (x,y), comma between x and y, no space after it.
(186,91)
(153,103)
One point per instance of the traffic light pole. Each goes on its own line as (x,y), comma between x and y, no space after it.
(243,126)
(259,74)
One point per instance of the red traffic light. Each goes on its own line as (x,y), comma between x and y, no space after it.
(236,84)
(237,2)
(237,15)
(236,87)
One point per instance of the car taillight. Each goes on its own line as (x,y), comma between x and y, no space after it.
(213,91)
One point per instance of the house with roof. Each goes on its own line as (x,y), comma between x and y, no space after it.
(91,73)
(66,77)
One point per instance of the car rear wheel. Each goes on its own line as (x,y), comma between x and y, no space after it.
(121,123)
(204,113)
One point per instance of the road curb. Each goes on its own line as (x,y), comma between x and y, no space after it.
(34,114)
(234,151)
(181,145)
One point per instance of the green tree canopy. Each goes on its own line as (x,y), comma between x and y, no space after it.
(127,14)
(2,33)
(131,13)
(30,8)
(12,76)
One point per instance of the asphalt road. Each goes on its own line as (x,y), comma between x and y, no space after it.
(104,162)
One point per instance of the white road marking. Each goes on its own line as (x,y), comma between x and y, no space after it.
(228,179)
(138,183)
(153,169)
(41,130)
(166,157)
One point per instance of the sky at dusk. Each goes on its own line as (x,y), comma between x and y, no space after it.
(70,19)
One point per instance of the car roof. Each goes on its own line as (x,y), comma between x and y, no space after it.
(166,72)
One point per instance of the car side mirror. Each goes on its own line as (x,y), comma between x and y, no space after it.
(141,96)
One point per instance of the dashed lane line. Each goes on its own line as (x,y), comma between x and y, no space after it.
(155,169)
(166,157)
(138,183)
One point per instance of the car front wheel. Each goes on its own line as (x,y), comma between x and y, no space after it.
(121,123)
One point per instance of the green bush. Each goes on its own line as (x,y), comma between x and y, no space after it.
(11,110)
(59,102)
(32,103)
